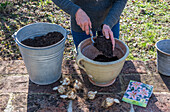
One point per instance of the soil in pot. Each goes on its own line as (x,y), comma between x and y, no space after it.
(104,45)
(103,58)
(43,41)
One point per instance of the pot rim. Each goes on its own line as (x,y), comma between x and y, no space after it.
(156,45)
(105,63)
(38,48)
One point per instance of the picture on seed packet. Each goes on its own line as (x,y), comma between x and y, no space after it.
(138,93)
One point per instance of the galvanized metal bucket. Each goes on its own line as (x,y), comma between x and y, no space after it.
(43,63)
(163,56)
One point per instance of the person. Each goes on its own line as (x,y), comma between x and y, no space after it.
(99,15)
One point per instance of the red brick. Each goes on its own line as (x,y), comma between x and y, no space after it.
(34,88)
(21,83)
(12,67)
(33,97)
(134,67)
(17,83)
(154,79)
(151,65)
(52,109)
(166,80)
(81,105)
(114,88)
(3,102)
(19,102)
(157,103)
(70,67)
(45,102)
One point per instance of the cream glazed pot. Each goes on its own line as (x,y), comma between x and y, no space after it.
(101,73)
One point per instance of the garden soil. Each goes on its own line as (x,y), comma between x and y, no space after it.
(103,58)
(105,46)
(43,41)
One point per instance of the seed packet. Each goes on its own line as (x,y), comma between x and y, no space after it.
(138,93)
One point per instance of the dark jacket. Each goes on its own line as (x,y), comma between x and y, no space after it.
(100,11)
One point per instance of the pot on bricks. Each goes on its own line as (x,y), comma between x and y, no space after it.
(43,63)
(101,73)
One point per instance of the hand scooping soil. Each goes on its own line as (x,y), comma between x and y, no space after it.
(104,45)
(43,41)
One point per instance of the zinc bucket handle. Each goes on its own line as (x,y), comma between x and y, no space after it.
(14,36)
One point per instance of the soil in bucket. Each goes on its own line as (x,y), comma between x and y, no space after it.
(105,46)
(44,40)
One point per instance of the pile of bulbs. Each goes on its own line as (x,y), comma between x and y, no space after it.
(69,88)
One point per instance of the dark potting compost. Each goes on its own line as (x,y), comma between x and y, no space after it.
(43,41)
(104,45)
(103,58)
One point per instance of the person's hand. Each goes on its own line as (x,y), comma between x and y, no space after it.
(107,32)
(83,20)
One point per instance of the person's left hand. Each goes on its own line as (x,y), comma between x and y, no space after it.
(107,32)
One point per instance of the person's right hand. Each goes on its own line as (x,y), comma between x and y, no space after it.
(107,32)
(83,20)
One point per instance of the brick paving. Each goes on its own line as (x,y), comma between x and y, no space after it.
(19,94)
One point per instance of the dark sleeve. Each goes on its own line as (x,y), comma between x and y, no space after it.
(115,12)
(68,6)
